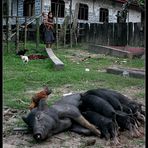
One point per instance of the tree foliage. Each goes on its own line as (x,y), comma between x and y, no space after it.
(141,2)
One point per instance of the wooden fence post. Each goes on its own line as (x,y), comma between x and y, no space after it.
(7,33)
(75,20)
(65,30)
(25,36)
(17,34)
(37,33)
(57,39)
(70,7)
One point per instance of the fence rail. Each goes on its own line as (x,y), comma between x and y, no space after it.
(116,34)
(7,33)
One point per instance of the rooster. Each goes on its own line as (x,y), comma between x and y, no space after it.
(38,96)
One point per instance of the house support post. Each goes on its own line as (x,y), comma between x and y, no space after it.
(25,36)
(70,9)
(17,34)
(7,33)
(37,33)
(9,13)
(65,30)
(57,31)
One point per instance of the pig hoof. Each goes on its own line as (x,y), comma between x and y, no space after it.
(137,134)
(141,131)
(115,142)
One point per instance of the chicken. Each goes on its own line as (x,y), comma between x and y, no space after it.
(25,59)
(38,96)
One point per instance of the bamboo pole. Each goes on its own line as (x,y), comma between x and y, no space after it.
(65,24)
(17,34)
(9,13)
(127,27)
(25,36)
(64,34)
(37,33)
(7,33)
(75,20)
(70,23)
(57,39)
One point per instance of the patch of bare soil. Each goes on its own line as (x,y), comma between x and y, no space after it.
(81,56)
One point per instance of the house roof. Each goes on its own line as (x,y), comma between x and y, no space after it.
(121,1)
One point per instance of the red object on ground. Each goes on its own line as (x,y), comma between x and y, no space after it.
(35,57)
(130,49)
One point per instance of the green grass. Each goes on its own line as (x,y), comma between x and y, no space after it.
(19,78)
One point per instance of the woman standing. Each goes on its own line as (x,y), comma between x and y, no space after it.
(48,31)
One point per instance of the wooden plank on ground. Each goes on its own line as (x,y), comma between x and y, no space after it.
(130,72)
(114,51)
(56,61)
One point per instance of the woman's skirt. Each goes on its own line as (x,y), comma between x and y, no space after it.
(48,36)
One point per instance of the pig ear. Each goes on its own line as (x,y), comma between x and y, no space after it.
(42,105)
(25,119)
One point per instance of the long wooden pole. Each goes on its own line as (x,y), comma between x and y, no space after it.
(17,34)
(7,26)
(65,32)
(37,33)
(71,23)
(127,27)
(25,36)
(7,33)
(75,20)
(57,39)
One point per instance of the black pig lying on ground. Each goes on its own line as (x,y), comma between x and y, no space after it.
(103,93)
(46,121)
(100,105)
(106,126)
(67,114)
(97,104)
(119,102)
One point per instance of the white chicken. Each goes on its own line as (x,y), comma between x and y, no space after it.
(25,59)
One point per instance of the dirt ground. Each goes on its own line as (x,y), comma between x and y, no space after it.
(12,139)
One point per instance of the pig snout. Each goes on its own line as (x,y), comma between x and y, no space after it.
(37,137)
(43,126)
(39,133)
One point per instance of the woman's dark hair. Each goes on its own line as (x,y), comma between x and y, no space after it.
(49,13)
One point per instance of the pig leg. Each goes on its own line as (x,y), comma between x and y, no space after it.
(140,117)
(80,129)
(81,120)
(134,132)
(63,125)
(114,141)
(105,133)
(143,112)
(70,111)
(114,133)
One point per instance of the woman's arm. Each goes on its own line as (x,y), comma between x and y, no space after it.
(46,22)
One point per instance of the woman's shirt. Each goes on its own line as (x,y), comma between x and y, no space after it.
(50,20)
